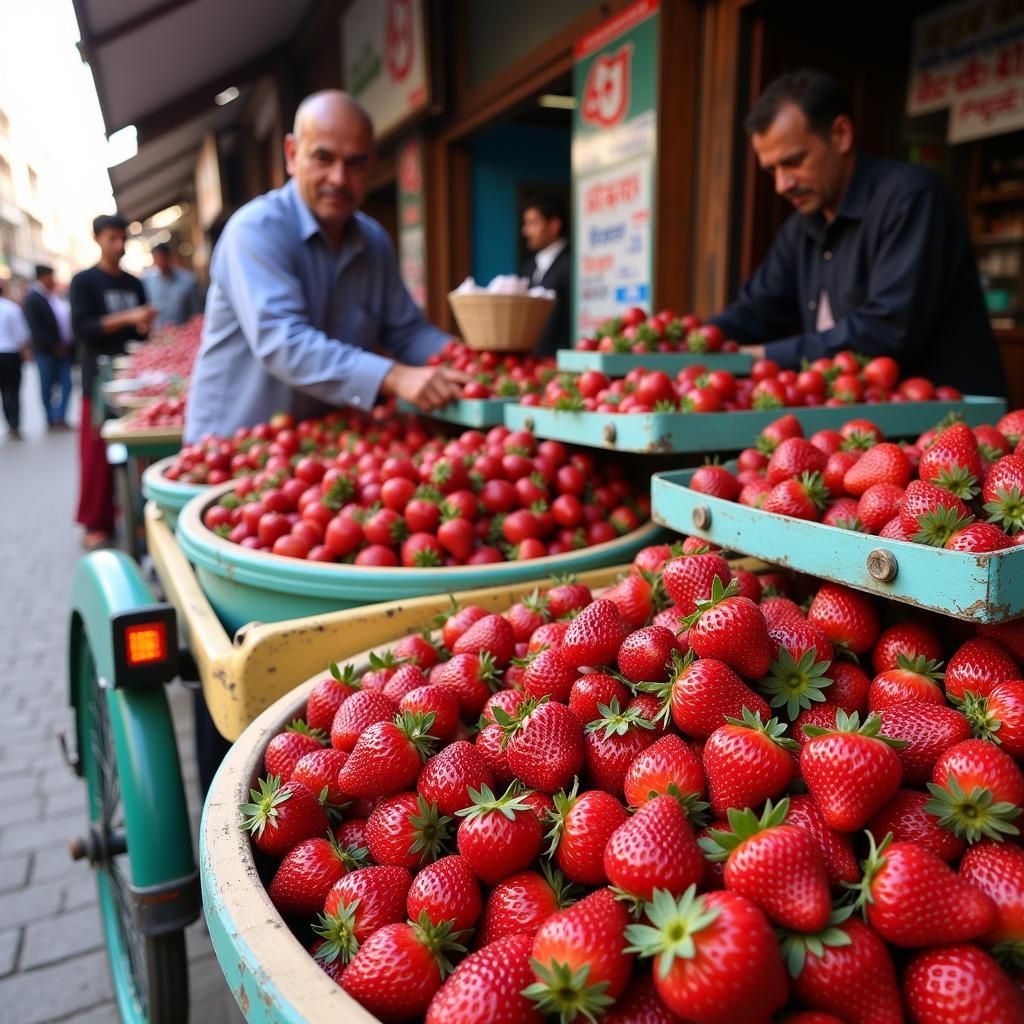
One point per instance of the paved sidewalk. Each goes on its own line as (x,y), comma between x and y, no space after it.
(52,962)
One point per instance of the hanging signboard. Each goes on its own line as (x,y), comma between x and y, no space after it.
(412,247)
(969,58)
(384,59)
(614,146)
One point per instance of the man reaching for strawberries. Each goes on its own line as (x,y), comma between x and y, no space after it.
(877,260)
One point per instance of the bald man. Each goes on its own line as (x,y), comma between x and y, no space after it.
(306,310)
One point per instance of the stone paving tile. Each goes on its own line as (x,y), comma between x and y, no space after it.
(60,938)
(10,942)
(61,990)
(14,871)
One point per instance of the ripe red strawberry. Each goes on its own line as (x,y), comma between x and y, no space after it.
(406,679)
(927,731)
(580,825)
(490,745)
(417,649)
(960,985)
(470,678)
(746,761)
(446,890)
(884,463)
(646,654)
(548,674)
(521,903)
(282,815)
(851,770)
(778,866)
(850,686)
(997,869)
(748,584)
(842,514)
(507,700)
(999,717)
(906,816)
(487,986)
(318,770)
(911,639)
(845,969)
(309,870)
(688,579)
(847,616)
(777,431)
(1003,493)
(579,959)
(991,444)
(450,774)
(592,690)
(754,493)
(328,695)
(595,635)
(978,791)
(435,701)
(405,831)
(544,743)
(979,665)
(382,668)
(388,756)
(836,467)
(878,505)
(716,481)
(802,498)
(567,596)
(399,968)
(931,514)
(797,676)
(706,692)
(731,629)
(1009,634)
(635,598)
(794,457)
(952,462)
(498,836)
(978,538)
(491,635)
(1011,426)
(351,833)
(915,680)
(612,741)
(655,849)
(667,767)
(912,898)
(640,1004)
(527,615)
(836,848)
(287,748)
(550,634)
(652,559)
(357,714)
(893,530)
(777,609)
(716,956)
(457,621)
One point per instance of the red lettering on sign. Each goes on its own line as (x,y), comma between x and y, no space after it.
(606,92)
(609,194)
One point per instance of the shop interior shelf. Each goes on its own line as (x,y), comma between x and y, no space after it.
(732,431)
(467,412)
(979,588)
(618,364)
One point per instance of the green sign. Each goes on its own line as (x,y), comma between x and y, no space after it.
(412,237)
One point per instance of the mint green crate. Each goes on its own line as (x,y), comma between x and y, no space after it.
(171,496)
(476,413)
(680,433)
(985,588)
(618,364)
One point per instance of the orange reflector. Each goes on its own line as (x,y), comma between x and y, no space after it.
(146,643)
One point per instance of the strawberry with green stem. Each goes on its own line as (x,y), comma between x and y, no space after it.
(580,825)
(498,836)
(931,515)
(801,498)
(914,679)
(999,717)
(450,774)
(1003,494)
(611,743)
(997,869)
(329,694)
(448,890)
(730,629)
(668,767)
(907,818)
(794,682)
(309,870)
(523,902)
(388,756)
(287,748)
(544,743)
(405,830)
(704,692)
(471,678)
(281,816)
(952,462)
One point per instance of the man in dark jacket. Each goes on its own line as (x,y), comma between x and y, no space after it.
(550,266)
(49,319)
(876,259)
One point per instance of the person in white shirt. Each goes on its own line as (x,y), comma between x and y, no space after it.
(14,336)
(49,319)
(545,229)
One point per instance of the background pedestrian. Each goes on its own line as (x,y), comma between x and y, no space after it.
(49,319)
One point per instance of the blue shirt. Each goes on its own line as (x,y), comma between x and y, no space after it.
(175,295)
(900,276)
(290,324)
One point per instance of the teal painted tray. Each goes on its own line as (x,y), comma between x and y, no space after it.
(170,495)
(618,364)
(467,412)
(977,588)
(732,431)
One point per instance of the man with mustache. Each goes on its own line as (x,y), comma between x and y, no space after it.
(306,310)
(877,259)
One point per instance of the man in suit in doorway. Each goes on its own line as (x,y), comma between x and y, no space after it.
(550,266)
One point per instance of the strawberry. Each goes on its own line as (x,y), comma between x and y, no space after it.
(915,680)
(778,866)
(906,816)
(637,597)
(991,444)
(579,959)
(979,665)
(319,771)
(328,695)
(716,481)
(418,649)
(802,655)
(544,743)
(706,692)
(978,538)
(399,968)
(1003,493)
(550,634)
(612,741)
(507,700)
(927,730)
(754,493)
(730,629)
(836,848)
(997,869)
(640,1004)
(382,668)
(842,514)
(490,745)
(952,462)
(450,774)
(688,579)
(388,756)
(1009,634)
(851,770)
(911,639)
(652,559)
(457,621)
(884,463)
(580,826)
(747,584)
(716,956)
(405,831)
(777,431)
(307,873)
(794,457)
(357,714)
(522,902)
(802,498)
(286,749)
(595,635)
(850,686)
(746,761)
(567,596)
(487,986)
(351,833)
(282,816)
(960,985)
(777,609)
(655,849)
(999,717)
(912,898)
(978,791)
(435,701)
(667,767)
(1011,426)
(646,654)
(878,505)
(491,635)
(527,615)
(592,690)
(836,467)
(548,674)
(498,836)
(470,678)
(931,514)
(846,969)
(847,617)
(893,530)
(446,890)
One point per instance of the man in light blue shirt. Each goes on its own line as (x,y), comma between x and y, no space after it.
(173,291)
(305,294)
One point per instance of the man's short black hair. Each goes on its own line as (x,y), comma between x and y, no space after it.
(108,220)
(42,269)
(161,247)
(820,96)
(548,206)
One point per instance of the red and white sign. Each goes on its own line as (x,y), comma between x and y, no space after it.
(606,92)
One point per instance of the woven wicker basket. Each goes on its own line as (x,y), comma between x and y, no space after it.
(500,323)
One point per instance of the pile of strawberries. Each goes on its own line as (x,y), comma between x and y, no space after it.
(635,332)
(686,798)
(167,358)
(164,412)
(844,381)
(954,487)
(426,502)
(495,375)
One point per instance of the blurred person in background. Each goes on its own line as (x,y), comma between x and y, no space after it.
(108,309)
(14,339)
(545,228)
(173,291)
(49,319)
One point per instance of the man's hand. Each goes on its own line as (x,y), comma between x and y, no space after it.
(757,351)
(141,317)
(426,387)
